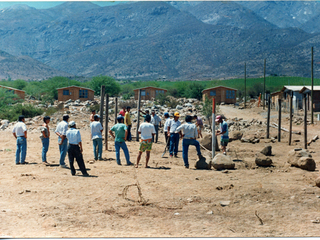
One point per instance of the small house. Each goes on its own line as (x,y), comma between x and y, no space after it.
(221,94)
(74,93)
(148,93)
(316,97)
(21,94)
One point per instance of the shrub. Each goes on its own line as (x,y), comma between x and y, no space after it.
(112,87)
(12,112)
(128,103)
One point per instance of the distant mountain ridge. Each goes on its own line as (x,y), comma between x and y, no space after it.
(166,40)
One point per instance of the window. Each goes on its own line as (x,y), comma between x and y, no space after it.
(65,92)
(83,93)
(143,92)
(212,92)
(230,94)
(159,92)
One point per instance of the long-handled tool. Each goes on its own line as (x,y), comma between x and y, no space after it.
(165,149)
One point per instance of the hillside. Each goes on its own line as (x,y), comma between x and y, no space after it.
(152,40)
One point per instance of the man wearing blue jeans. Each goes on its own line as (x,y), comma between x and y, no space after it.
(121,134)
(20,133)
(156,121)
(61,131)
(189,135)
(96,136)
(173,124)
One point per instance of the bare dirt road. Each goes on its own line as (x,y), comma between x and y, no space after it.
(250,201)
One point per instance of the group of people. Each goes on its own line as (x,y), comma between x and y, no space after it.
(69,138)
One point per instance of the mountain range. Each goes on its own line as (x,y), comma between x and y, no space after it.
(160,40)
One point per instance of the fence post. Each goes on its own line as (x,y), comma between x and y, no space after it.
(116,110)
(290,119)
(268,116)
(138,124)
(305,121)
(279,120)
(106,133)
(102,92)
(213,127)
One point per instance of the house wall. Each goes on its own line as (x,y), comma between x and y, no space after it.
(149,93)
(74,94)
(21,94)
(221,95)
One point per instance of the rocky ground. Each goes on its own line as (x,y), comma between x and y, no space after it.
(166,200)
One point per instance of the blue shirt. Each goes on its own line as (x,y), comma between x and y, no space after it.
(73,136)
(96,128)
(189,130)
(155,120)
(224,128)
(173,125)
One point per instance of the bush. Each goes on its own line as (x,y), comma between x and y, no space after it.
(28,110)
(162,99)
(51,110)
(128,103)
(112,87)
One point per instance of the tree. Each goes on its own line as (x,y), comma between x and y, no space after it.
(112,87)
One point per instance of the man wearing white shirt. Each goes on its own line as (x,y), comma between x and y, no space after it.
(146,130)
(173,134)
(156,121)
(96,136)
(61,131)
(165,128)
(189,135)
(19,131)
(75,149)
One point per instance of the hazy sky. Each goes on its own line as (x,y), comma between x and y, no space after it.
(47,4)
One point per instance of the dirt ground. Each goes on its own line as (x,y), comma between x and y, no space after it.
(46,201)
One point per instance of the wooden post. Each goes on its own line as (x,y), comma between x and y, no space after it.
(264,83)
(290,118)
(106,133)
(279,120)
(311,85)
(268,116)
(245,84)
(305,121)
(138,124)
(102,92)
(213,127)
(116,110)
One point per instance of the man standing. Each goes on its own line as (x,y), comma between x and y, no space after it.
(146,130)
(75,149)
(123,112)
(127,121)
(61,131)
(96,136)
(121,133)
(165,128)
(144,114)
(189,135)
(19,131)
(199,124)
(93,112)
(174,136)
(223,132)
(156,121)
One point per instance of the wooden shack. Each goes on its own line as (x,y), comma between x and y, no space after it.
(221,94)
(21,94)
(74,93)
(316,97)
(148,93)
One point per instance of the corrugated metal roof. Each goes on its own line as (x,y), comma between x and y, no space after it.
(219,87)
(11,88)
(150,87)
(76,87)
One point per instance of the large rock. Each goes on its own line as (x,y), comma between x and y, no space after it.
(301,159)
(235,135)
(318,182)
(221,162)
(262,160)
(267,151)
(202,164)
(206,141)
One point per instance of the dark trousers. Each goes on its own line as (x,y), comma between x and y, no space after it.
(75,153)
(167,139)
(129,138)
(174,143)
(156,127)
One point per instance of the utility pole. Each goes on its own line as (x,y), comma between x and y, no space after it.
(245,84)
(264,83)
(311,85)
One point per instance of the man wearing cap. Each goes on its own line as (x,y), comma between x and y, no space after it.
(146,130)
(189,135)
(165,128)
(173,134)
(120,136)
(75,149)
(61,131)
(96,136)
(127,122)
(19,131)
(223,132)
(156,121)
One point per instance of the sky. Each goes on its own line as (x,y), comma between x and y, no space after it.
(49,4)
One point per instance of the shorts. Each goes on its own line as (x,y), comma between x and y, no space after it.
(200,127)
(224,142)
(145,145)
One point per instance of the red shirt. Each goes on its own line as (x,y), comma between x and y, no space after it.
(122,112)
